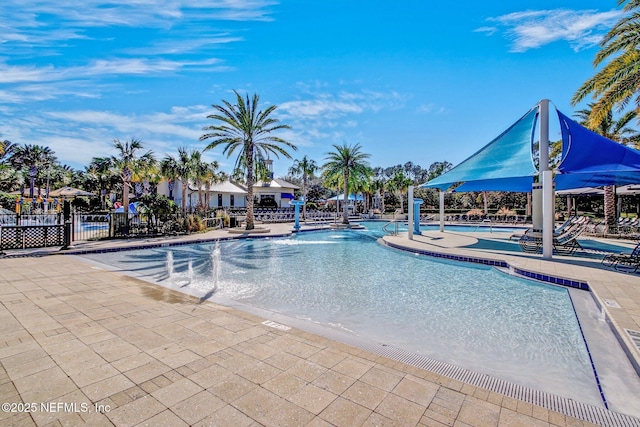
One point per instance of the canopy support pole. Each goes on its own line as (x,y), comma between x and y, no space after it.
(410,212)
(441,211)
(548,219)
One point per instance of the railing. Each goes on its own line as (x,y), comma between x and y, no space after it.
(90,226)
(395,224)
(481,224)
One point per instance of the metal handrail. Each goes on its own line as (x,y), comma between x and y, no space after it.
(484,221)
(393,221)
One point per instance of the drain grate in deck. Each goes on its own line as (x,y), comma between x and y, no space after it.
(635,337)
(275,325)
(610,303)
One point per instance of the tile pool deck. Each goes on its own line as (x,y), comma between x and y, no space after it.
(102,348)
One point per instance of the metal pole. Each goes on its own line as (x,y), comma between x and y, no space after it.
(548,219)
(410,208)
(441,211)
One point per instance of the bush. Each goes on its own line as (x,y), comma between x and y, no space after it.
(194,223)
(225,217)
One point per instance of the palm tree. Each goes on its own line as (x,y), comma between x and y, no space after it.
(616,130)
(6,149)
(211,176)
(199,171)
(307,168)
(348,161)
(101,169)
(32,160)
(130,165)
(244,127)
(400,183)
(174,168)
(618,82)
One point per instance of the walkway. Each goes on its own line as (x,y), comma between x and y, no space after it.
(83,345)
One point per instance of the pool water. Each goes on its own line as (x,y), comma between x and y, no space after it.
(468,315)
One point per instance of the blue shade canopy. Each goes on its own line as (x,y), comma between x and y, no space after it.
(505,164)
(516,185)
(591,160)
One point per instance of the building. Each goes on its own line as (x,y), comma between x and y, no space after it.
(278,190)
(226,194)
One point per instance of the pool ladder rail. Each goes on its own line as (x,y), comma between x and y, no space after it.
(395,223)
(486,220)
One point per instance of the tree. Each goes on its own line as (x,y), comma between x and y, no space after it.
(130,165)
(400,183)
(307,169)
(348,161)
(180,167)
(243,127)
(101,171)
(616,130)
(199,171)
(438,168)
(32,160)
(211,175)
(6,149)
(618,82)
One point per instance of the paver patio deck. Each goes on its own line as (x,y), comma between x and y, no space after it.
(102,348)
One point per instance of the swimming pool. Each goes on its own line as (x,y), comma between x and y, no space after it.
(469,315)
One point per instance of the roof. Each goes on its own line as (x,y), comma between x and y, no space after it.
(222,187)
(276,183)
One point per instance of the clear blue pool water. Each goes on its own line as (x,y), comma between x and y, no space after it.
(472,316)
(473,228)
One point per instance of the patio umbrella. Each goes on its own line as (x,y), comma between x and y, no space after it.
(70,192)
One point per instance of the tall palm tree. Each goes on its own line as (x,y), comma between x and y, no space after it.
(180,167)
(32,160)
(211,176)
(244,127)
(348,161)
(199,171)
(129,164)
(306,168)
(616,130)
(399,183)
(101,169)
(618,82)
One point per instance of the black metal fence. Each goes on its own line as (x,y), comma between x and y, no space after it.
(31,231)
(22,231)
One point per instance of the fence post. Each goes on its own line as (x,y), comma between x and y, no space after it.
(1,240)
(66,244)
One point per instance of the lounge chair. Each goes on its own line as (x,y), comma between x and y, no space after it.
(565,238)
(624,259)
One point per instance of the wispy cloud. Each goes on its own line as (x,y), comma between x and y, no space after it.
(102,67)
(22,19)
(532,29)
(79,135)
(325,116)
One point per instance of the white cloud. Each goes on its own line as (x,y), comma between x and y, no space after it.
(533,29)
(102,67)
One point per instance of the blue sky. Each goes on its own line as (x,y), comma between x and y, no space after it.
(412,81)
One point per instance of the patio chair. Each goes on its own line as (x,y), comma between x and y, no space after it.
(624,259)
(565,242)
